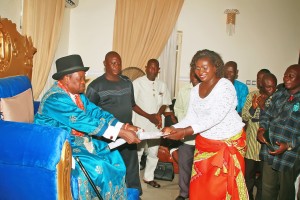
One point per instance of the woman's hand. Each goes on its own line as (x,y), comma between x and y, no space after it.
(175,134)
(167,130)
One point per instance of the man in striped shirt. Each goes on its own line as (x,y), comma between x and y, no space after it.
(250,115)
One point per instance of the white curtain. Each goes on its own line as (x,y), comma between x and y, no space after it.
(42,20)
(167,63)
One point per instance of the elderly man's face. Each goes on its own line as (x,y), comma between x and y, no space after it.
(75,82)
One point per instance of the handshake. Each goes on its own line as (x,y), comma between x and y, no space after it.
(135,136)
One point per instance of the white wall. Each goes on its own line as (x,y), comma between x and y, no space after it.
(91,32)
(267,34)
(11,9)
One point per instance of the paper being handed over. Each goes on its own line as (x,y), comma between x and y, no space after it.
(141,135)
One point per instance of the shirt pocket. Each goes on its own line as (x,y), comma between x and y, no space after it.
(160,97)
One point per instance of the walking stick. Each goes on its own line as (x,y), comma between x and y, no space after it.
(89,178)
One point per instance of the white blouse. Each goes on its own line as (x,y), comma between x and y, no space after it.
(214,117)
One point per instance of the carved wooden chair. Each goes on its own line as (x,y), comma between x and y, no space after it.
(35,160)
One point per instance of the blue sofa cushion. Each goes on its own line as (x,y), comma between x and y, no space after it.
(23,182)
(31,145)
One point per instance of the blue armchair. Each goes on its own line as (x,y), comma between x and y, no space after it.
(35,160)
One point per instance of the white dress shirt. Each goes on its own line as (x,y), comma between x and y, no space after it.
(150,96)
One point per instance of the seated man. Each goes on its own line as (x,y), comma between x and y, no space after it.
(64,105)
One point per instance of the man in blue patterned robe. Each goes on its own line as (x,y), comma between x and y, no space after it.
(64,105)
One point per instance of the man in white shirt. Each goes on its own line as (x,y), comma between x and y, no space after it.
(186,150)
(152,96)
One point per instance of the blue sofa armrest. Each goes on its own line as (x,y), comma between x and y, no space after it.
(31,144)
(28,160)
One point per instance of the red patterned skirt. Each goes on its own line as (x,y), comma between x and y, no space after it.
(218,169)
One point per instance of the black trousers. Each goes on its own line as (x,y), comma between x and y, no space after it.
(185,163)
(130,157)
(252,169)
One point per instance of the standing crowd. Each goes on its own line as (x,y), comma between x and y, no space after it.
(231,140)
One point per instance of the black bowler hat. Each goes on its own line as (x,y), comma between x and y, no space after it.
(68,65)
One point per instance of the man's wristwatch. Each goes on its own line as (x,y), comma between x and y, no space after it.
(290,147)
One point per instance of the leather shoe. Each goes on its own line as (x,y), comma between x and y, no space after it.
(152,183)
(180,198)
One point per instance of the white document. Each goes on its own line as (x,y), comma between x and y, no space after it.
(141,135)
(149,135)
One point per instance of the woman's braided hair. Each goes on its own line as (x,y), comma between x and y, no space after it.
(214,57)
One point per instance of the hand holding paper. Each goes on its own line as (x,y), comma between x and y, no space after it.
(140,134)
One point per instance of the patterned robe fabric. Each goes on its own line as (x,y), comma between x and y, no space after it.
(106,168)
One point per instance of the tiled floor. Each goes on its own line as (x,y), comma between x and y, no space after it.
(169,190)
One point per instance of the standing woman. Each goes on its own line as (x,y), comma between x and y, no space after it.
(218,169)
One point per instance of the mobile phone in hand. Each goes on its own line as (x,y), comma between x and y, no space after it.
(270,146)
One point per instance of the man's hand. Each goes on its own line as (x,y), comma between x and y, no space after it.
(129,136)
(261,100)
(254,102)
(282,148)
(260,135)
(158,117)
(153,119)
(131,127)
